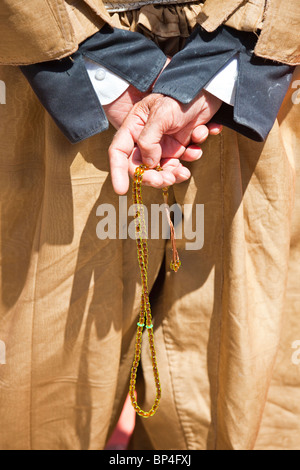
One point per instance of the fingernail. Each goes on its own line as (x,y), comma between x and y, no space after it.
(202,136)
(148,161)
(169,181)
(197,150)
(185,173)
(200,153)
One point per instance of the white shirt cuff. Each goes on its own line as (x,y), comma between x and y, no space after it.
(223,84)
(107,85)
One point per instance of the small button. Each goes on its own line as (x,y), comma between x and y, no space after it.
(100,74)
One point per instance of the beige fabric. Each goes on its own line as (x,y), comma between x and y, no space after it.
(283,398)
(168,27)
(238,13)
(284,32)
(85,22)
(280,21)
(30,34)
(249,17)
(223,319)
(276,42)
(212,17)
(69,301)
(55,29)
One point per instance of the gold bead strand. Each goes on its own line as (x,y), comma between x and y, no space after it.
(145,318)
(140,251)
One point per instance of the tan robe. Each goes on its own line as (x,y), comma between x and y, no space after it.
(225,324)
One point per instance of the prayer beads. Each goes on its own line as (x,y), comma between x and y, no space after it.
(145,318)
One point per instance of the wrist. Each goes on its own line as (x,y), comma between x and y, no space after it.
(132,95)
(166,64)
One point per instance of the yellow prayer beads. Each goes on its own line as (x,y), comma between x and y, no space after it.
(145,318)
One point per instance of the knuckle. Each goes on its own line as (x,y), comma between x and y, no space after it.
(144,144)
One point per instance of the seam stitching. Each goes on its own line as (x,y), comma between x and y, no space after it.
(33,316)
(222,171)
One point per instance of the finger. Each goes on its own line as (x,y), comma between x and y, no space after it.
(119,172)
(171,147)
(119,152)
(149,141)
(121,149)
(173,172)
(180,172)
(154,178)
(158,180)
(200,134)
(214,129)
(192,154)
(150,146)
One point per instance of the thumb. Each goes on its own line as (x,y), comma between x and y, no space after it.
(119,152)
(122,147)
(149,141)
(149,144)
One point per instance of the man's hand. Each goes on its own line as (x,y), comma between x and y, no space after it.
(163,130)
(117,111)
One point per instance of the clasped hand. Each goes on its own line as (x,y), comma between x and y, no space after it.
(158,130)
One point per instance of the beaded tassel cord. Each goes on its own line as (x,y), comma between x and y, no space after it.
(145,318)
